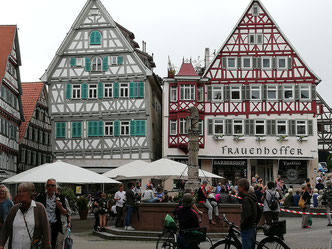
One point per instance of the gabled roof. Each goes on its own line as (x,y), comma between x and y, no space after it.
(7,36)
(276,26)
(187,69)
(30,94)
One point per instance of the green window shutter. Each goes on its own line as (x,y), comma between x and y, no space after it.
(239,62)
(141,90)
(73,62)
(273,127)
(210,126)
(84,89)
(297,92)
(290,63)
(143,127)
(120,60)
(227,93)
(310,128)
(105,64)
(116,89)
(243,92)
(100,90)
(68,91)
(229,130)
(95,38)
(223,62)
(87,64)
(134,123)
(313,92)
(291,127)
(209,93)
(116,128)
(280,93)
(98,37)
(73,129)
(247,127)
(90,128)
(131,89)
(76,129)
(136,89)
(100,128)
(60,130)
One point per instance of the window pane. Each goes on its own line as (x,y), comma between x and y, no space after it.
(216,94)
(305,93)
(266,63)
(282,63)
(231,62)
(272,93)
(246,63)
(288,92)
(255,93)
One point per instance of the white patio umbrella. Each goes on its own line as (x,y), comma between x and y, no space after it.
(62,172)
(126,171)
(162,169)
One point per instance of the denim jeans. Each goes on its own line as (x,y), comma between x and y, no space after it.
(130,210)
(248,238)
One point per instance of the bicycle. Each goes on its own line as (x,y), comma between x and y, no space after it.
(168,239)
(232,241)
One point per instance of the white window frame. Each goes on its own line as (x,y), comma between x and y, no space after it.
(275,88)
(108,90)
(113,60)
(284,91)
(260,92)
(246,58)
(282,123)
(260,123)
(182,126)
(76,91)
(79,62)
(92,91)
(235,123)
(124,128)
(96,64)
(286,63)
(173,94)
(108,128)
(235,63)
(305,87)
(218,122)
(200,93)
(187,92)
(173,132)
(216,89)
(301,123)
(234,89)
(124,90)
(266,58)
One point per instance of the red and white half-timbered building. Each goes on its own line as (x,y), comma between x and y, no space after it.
(257,105)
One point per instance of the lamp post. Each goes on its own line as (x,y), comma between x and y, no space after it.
(192,125)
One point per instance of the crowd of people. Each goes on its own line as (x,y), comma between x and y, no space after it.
(34,221)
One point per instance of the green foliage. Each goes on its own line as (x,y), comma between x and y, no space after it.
(69,194)
(82,203)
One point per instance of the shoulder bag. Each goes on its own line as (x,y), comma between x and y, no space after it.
(35,244)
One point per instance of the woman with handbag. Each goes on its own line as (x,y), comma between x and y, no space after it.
(27,225)
(5,204)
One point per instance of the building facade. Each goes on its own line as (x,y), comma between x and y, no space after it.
(104,99)
(257,105)
(35,131)
(11,114)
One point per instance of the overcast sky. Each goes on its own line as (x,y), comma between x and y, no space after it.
(175,28)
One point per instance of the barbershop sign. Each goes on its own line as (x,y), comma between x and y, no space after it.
(262,151)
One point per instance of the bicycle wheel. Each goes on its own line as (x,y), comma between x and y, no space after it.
(226,244)
(207,244)
(272,243)
(166,240)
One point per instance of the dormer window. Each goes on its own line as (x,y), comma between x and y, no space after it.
(96,64)
(255,10)
(95,38)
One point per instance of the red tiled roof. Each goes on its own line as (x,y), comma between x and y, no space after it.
(7,33)
(187,69)
(30,95)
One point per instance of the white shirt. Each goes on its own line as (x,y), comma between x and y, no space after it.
(121,196)
(50,208)
(21,239)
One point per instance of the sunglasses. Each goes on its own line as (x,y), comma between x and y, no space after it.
(50,185)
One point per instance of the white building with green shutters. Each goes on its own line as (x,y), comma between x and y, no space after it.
(104,99)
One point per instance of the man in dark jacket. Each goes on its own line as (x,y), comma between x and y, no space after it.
(130,204)
(248,216)
(55,205)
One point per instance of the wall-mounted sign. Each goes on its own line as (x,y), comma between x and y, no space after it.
(262,151)
(293,171)
(78,190)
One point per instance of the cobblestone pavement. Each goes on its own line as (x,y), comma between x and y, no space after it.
(316,237)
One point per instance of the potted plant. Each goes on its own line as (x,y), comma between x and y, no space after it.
(82,204)
(282,138)
(218,137)
(260,138)
(302,138)
(238,137)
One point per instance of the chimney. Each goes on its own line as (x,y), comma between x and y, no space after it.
(144,46)
(206,57)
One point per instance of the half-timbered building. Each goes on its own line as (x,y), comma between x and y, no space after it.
(257,102)
(35,131)
(104,99)
(11,114)
(324,123)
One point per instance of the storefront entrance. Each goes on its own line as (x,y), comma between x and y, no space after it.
(263,168)
(232,170)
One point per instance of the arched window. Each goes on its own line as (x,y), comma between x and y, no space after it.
(96,64)
(95,38)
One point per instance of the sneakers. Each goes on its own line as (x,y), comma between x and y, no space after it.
(130,228)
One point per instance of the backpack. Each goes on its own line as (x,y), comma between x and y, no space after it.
(273,202)
(301,202)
